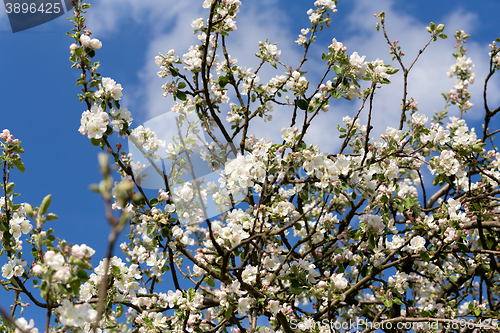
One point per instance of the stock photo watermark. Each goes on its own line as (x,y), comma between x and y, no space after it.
(175,145)
(361,324)
(27,14)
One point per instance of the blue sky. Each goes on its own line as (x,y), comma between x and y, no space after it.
(40,105)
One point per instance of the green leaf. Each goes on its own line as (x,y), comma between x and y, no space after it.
(151,229)
(210,281)
(14,282)
(153,201)
(223,80)
(336,94)
(116,271)
(425,257)
(408,203)
(400,208)
(29,209)
(95,142)
(354,195)
(165,231)
(44,207)
(19,165)
(51,216)
(228,313)
(181,85)
(440,28)
(391,71)
(364,271)
(463,247)
(477,149)
(82,275)
(388,303)
(432,26)
(295,287)
(191,294)
(44,289)
(397,301)
(373,243)
(119,311)
(18,149)
(181,95)
(116,104)
(338,70)
(302,104)
(61,289)
(174,71)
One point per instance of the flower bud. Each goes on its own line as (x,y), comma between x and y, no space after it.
(37,269)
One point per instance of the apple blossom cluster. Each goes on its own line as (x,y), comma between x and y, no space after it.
(166,62)
(109,89)
(463,70)
(300,268)
(14,267)
(146,139)
(298,83)
(226,12)
(242,173)
(121,119)
(94,43)
(94,122)
(494,54)
(323,6)
(193,59)
(19,225)
(80,315)
(85,41)
(337,46)
(269,52)
(303,36)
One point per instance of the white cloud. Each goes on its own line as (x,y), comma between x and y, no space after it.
(253,26)
(427,80)
(169,23)
(108,16)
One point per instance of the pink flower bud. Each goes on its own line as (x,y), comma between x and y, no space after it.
(37,269)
